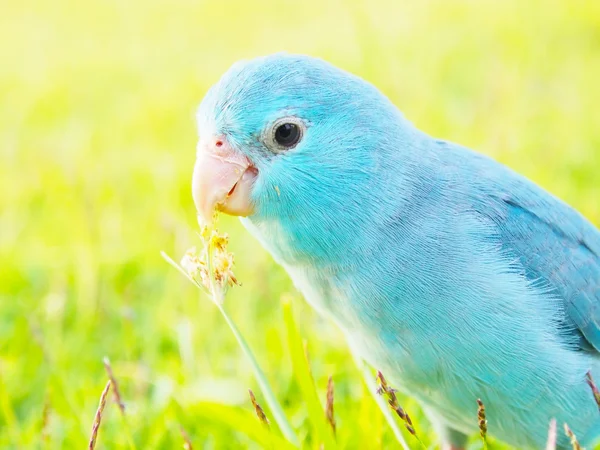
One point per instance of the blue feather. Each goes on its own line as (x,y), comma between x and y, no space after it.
(452,273)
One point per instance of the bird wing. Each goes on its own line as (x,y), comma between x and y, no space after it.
(556,246)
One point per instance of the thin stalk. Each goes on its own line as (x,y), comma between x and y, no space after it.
(267,392)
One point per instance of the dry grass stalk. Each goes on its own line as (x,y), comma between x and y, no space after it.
(551,443)
(329,404)
(390,394)
(482,421)
(115,385)
(258,409)
(45,428)
(187,442)
(98,416)
(572,437)
(119,401)
(590,382)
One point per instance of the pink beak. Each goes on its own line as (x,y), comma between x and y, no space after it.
(222,180)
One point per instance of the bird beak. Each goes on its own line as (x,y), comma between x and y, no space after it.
(222,180)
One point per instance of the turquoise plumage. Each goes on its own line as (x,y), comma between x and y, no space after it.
(454,275)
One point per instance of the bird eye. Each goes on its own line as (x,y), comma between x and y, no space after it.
(286,133)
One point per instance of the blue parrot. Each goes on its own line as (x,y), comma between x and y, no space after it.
(451,273)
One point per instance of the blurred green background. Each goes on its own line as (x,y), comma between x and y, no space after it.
(97,140)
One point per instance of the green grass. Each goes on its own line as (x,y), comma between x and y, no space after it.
(96,151)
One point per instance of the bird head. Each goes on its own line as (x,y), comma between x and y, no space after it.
(301,149)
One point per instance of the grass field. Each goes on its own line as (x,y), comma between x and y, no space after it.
(96,151)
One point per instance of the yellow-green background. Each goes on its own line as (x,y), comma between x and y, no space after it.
(97,99)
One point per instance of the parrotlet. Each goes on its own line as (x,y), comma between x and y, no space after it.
(457,277)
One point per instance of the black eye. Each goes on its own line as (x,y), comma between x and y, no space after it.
(288,134)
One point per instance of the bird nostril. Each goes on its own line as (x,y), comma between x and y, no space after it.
(219,143)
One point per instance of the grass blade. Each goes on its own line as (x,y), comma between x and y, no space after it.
(263,383)
(316,412)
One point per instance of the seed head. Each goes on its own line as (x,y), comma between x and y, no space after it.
(98,417)
(223,267)
(187,442)
(258,409)
(390,394)
(590,382)
(329,404)
(572,437)
(115,385)
(196,267)
(482,421)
